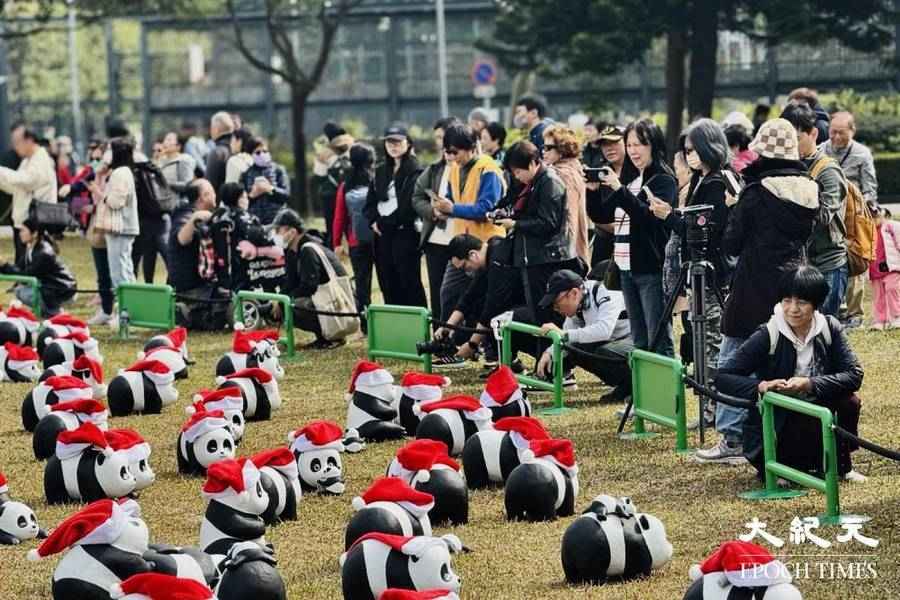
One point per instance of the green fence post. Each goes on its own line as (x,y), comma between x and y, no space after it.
(555,386)
(658,394)
(395,330)
(35,286)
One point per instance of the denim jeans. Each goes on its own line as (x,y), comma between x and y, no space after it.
(837,289)
(729,419)
(118,251)
(645,303)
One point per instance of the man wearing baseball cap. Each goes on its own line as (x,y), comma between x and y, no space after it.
(607,150)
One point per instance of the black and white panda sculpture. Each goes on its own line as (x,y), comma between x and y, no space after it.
(370,403)
(18,364)
(452,421)
(69,347)
(378,561)
(186,563)
(59,388)
(252,349)
(611,540)
(317,448)
(741,571)
(236,501)
(85,468)
(137,451)
(545,485)
(172,357)
(84,368)
(18,522)
(260,391)
(205,438)
(426,466)
(18,325)
(174,340)
(248,571)
(490,455)
(58,326)
(503,395)
(159,586)
(418,388)
(280,478)
(229,400)
(65,416)
(390,505)
(146,387)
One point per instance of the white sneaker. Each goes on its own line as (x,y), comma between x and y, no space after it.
(100,318)
(855,477)
(723,452)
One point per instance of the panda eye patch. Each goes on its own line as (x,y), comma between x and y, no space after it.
(212,446)
(332,461)
(226,444)
(101,459)
(33,519)
(236,419)
(21,521)
(123,472)
(142,465)
(315,465)
(445,572)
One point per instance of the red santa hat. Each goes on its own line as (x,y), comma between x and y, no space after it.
(4,484)
(225,399)
(396,490)
(416,546)
(66,320)
(100,522)
(418,457)
(558,451)
(201,423)
(744,565)
(230,477)
(20,357)
(81,340)
(86,411)
(398,594)
(130,442)
(70,444)
(68,387)
(423,387)
(469,406)
(155,370)
(501,388)
(317,435)
(18,311)
(157,586)
(369,374)
(86,363)
(244,341)
(280,459)
(522,430)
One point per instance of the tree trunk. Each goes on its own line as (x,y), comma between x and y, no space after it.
(300,196)
(704,49)
(676,51)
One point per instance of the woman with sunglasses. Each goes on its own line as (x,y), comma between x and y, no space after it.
(266,182)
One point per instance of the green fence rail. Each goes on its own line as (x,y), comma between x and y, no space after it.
(35,286)
(556,339)
(394,331)
(657,384)
(287,313)
(145,305)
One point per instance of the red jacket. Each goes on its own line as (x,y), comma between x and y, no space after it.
(341,225)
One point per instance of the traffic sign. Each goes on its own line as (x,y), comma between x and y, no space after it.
(484,72)
(484,91)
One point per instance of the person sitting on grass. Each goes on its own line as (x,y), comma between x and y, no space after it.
(801,353)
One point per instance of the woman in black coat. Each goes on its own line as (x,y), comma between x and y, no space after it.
(804,354)
(392,217)
(57,284)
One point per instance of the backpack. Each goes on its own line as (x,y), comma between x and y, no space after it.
(355,200)
(154,196)
(214,264)
(859,222)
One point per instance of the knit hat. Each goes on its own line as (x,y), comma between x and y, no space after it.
(501,388)
(396,490)
(19,358)
(522,430)
(418,457)
(368,375)
(86,411)
(201,423)
(155,370)
(224,399)
(280,459)
(317,435)
(398,594)
(415,546)
(777,139)
(99,522)
(744,565)
(558,451)
(130,442)
(4,484)
(86,363)
(423,387)
(67,387)
(469,406)
(244,341)
(18,312)
(70,444)
(230,477)
(158,586)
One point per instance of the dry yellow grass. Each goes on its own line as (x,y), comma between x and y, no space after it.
(698,504)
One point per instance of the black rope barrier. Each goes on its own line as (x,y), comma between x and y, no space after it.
(870,446)
(462,328)
(718,396)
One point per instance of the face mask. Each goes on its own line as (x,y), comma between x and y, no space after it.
(96,165)
(279,240)
(520,121)
(693,161)
(263,159)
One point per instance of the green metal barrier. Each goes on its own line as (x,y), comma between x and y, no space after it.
(774,469)
(287,313)
(394,331)
(35,286)
(145,305)
(556,339)
(658,393)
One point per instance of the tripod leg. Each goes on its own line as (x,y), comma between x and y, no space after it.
(670,306)
(625,416)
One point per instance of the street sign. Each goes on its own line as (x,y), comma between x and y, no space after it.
(484,91)
(484,72)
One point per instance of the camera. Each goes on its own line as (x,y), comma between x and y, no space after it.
(592,175)
(436,347)
(499,214)
(698,226)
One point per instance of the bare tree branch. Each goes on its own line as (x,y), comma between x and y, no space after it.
(282,43)
(247,53)
(330,24)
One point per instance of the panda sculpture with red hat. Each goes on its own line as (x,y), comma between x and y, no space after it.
(204,438)
(545,485)
(317,449)
(57,326)
(18,325)
(390,505)
(426,466)
(452,421)
(18,364)
(70,346)
(146,387)
(738,570)
(85,368)
(260,391)
(280,478)
(371,403)
(156,586)
(229,400)
(18,522)
(504,396)
(175,339)
(66,416)
(490,455)
(59,388)
(418,388)
(175,357)
(252,349)
(138,451)
(236,501)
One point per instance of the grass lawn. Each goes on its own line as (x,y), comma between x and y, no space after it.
(698,504)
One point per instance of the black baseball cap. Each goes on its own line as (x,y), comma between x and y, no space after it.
(561,281)
(397,130)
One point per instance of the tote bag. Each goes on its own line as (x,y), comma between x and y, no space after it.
(336,295)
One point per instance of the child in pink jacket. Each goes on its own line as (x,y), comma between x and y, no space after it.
(884,272)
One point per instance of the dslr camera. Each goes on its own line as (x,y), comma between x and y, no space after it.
(437,347)
(500,214)
(698,226)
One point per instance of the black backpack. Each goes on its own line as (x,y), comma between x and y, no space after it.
(154,197)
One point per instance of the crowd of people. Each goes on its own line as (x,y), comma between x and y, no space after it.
(584,232)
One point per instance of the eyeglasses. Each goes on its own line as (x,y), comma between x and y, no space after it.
(548,147)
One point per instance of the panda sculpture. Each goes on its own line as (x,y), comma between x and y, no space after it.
(85,468)
(132,444)
(69,347)
(174,340)
(59,388)
(184,562)
(18,364)
(204,439)
(65,416)
(58,326)
(229,400)
(503,395)
(370,403)
(260,391)
(317,449)
(490,455)
(252,349)
(236,501)
(146,387)
(545,485)
(378,561)
(390,505)
(280,478)
(611,540)
(18,522)
(426,466)
(159,586)
(248,571)
(452,421)
(418,388)
(84,368)
(18,325)
(740,570)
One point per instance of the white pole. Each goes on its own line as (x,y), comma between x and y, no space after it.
(75,90)
(442,56)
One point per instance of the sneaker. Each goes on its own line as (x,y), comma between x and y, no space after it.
(568,383)
(100,318)
(490,364)
(723,452)
(877,327)
(853,323)
(442,363)
(323,344)
(855,477)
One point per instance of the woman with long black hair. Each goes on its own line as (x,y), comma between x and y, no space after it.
(392,218)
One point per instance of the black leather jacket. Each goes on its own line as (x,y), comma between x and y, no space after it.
(539,236)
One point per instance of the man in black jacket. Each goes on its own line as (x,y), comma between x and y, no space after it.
(221,128)
(305,272)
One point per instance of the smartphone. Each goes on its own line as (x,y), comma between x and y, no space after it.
(647,193)
(592,174)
